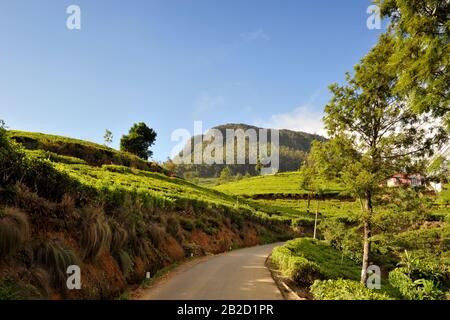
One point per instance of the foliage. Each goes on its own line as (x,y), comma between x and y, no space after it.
(108,137)
(305,260)
(417,279)
(373,133)
(297,268)
(342,289)
(421,31)
(54,157)
(286,183)
(139,140)
(225,175)
(343,237)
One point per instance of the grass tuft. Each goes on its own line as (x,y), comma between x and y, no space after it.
(95,233)
(14,231)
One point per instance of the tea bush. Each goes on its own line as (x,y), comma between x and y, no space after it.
(341,289)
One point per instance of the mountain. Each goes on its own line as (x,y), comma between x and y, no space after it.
(293,147)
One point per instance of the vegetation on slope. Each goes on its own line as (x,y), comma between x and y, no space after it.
(91,153)
(281,184)
(115,222)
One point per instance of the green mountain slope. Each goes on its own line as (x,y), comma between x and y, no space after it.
(293,146)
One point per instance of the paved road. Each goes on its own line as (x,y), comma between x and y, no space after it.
(236,275)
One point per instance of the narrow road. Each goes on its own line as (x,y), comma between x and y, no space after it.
(236,275)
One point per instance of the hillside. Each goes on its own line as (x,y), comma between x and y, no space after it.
(280,185)
(84,152)
(63,203)
(293,148)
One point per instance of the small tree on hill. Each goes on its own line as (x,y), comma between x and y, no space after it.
(225,175)
(310,181)
(108,137)
(139,140)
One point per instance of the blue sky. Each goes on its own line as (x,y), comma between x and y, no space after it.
(171,62)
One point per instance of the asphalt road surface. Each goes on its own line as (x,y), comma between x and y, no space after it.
(236,275)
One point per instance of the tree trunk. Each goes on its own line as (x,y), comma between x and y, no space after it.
(365,260)
(309,201)
(367,235)
(315,220)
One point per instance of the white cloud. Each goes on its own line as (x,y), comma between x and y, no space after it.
(303,118)
(255,35)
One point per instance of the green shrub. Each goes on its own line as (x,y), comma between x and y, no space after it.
(41,177)
(421,289)
(238,220)
(330,262)
(297,268)
(344,290)
(95,232)
(305,222)
(14,231)
(116,168)
(54,157)
(420,279)
(12,157)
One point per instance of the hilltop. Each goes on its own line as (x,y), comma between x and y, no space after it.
(293,147)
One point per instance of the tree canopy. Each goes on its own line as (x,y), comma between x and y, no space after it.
(139,140)
(421,33)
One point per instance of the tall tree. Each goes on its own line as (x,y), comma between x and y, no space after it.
(421,31)
(139,140)
(373,133)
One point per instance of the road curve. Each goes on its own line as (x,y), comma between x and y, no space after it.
(236,275)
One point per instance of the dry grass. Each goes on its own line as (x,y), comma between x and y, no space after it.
(125,262)
(40,280)
(156,235)
(119,237)
(14,231)
(55,257)
(95,233)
